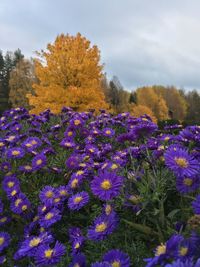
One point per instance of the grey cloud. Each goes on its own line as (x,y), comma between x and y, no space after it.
(142,42)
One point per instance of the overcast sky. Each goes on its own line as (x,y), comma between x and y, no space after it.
(142,42)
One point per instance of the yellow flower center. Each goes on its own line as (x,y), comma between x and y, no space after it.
(49,215)
(77,245)
(24,207)
(79,172)
(17,202)
(116,264)
(28,145)
(160,250)
(49,194)
(35,218)
(77,200)
(44,208)
(188,181)
(77,122)
(27,167)
(34,142)
(182,162)
(101,227)
(56,200)
(167,138)
(69,133)
(10,184)
(10,138)
(76,265)
(2,239)
(15,152)
(48,253)
(106,185)
(14,192)
(108,132)
(183,251)
(91,150)
(1,144)
(108,209)
(67,144)
(35,242)
(114,166)
(74,183)
(39,161)
(63,192)
(4,219)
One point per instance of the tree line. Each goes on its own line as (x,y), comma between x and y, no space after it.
(69,73)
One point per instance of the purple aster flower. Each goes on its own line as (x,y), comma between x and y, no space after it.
(32,143)
(30,245)
(20,204)
(15,153)
(5,166)
(9,182)
(63,191)
(4,220)
(101,264)
(50,218)
(4,240)
(26,168)
(108,132)
(39,161)
(78,260)
(106,185)
(181,162)
(75,181)
(47,195)
(67,143)
(77,201)
(47,256)
(72,162)
(187,184)
(117,258)
(102,226)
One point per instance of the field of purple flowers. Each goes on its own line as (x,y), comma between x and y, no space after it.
(82,190)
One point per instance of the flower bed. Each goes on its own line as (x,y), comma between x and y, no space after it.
(103,191)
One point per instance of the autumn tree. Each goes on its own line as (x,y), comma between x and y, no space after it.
(69,74)
(175,102)
(139,110)
(21,79)
(146,96)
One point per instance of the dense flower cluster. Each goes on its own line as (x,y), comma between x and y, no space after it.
(70,182)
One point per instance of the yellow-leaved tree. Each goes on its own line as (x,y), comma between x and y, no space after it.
(146,96)
(139,110)
(69,74)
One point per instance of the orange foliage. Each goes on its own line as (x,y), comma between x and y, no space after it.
(139,110)
(69,74)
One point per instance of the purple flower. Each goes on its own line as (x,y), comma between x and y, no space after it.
(77,201)
(30,245)
(106,185)
(78,260)
(47,256)
(4,240)
(181,162)
(15,153)
(50,218)
(2,259)
(187,263)
(32,143)
(39,161)
(47,195)
(117,258)
(187,184)
(108,132)
(20,204)
(102,226)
